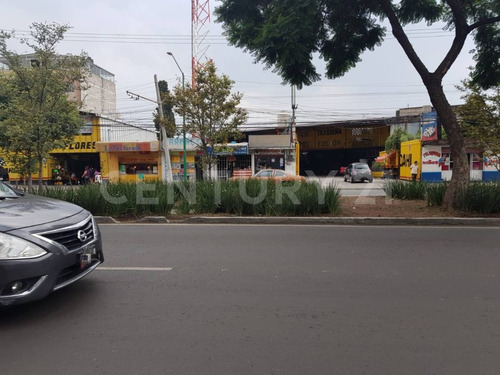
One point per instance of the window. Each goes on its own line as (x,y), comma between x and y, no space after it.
(361,166)
(446,162)
(264,173)
(138,169)
(5,192)
(280,174)
(477,162)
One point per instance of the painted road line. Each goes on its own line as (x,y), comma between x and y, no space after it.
(134,268)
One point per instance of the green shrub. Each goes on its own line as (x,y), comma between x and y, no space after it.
(412,190)
(435,194)
(245,197)
(378,166)
(481,197)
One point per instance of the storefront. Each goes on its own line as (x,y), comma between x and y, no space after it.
(233,159)
(324,149)
(66,166)
(273,152)
(176,150)
(411,152)
(437,164)
(130,161)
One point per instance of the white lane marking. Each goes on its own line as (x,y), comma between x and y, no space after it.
(134,268)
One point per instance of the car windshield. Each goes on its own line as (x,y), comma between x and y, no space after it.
(264,173)
(361,166)
(7,192)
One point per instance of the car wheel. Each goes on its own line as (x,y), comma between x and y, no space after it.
(345,178)
(351,180)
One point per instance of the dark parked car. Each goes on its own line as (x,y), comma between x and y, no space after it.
(45,245)
(358,172)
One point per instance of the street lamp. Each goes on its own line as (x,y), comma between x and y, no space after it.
(183,122)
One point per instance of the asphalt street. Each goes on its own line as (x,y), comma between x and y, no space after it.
(270,299)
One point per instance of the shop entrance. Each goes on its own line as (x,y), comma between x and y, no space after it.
(274,161)
(226,165)
(324,162)
(73,164)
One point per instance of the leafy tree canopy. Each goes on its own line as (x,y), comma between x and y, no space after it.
(480,117)
(211,111)
(393,142)
(168,121)
(36,115)
(284,34)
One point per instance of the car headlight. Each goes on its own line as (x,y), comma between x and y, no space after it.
(16,248)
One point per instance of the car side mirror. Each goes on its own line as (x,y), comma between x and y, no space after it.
(18,191)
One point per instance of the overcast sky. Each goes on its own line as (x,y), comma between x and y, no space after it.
(130,39)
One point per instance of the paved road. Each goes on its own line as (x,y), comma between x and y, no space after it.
(374,189)
(204,299)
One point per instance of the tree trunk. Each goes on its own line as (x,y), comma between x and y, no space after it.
(40,177)
(460,174)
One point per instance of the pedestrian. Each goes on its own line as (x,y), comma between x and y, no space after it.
(86,175)
(97,177)
(73,179)
(414,171)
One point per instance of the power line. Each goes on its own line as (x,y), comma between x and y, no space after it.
(220,39)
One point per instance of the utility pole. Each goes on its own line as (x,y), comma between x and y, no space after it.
(183,122)
(293,130)
(158,99)
(163,136)
(294,107)
(167,168)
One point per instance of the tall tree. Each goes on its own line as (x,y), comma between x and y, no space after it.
(39,116)
(210,110)
(284,35)
(480,118)
(168,121)
(393,142)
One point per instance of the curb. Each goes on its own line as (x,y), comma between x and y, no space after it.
(373,221)
(105,220)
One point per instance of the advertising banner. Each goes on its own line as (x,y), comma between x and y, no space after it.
(429,127)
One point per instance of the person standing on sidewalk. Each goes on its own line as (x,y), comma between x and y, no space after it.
(86,175)
(414,171)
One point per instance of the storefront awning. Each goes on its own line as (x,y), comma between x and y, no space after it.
(381,159)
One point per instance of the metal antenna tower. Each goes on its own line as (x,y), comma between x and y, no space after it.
(200,18)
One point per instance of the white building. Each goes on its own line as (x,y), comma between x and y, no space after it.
(96,96)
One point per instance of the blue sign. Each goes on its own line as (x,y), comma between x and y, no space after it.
(429,126)
(240,150)
(230,150)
